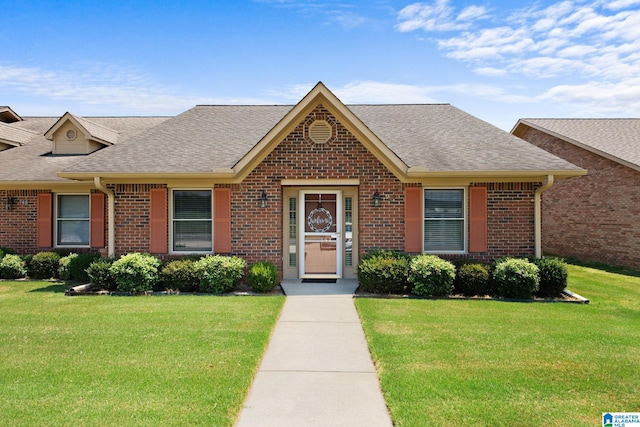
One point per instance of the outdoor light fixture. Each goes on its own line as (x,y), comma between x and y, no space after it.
(263,199)
(10,202)
(376,200)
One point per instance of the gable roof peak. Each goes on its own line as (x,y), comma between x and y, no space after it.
(92,130)
(7,115)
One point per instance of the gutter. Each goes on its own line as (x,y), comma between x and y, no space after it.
(537,215)
(111,245)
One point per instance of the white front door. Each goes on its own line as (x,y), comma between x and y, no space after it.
(320,240)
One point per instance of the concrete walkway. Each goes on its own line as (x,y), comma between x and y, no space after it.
(317,370)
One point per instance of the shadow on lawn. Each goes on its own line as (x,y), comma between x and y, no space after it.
(55,287)
(626,271)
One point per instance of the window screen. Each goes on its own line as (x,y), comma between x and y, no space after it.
(72,220)
(444,221)
(192,221)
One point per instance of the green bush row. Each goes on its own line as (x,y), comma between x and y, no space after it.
(391,272)
(136,272)
(216,274)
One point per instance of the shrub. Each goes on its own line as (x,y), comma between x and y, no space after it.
(79,265)
(553,275)
(12,267)
(179,275)
(516,278)
(135,272)
(384,272)
(263,276)
(99,273)
(5,251)
(431,275)
(218,274)
(472,278)
(44,265)
(64,271)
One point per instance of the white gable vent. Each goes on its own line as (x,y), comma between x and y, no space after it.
(320,132)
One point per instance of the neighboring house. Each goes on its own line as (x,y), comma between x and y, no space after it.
(596,217)
(309,187)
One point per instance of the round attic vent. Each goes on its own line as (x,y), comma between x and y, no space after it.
(71,134)
(320,132)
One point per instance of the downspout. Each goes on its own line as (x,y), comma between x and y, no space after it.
(537,215)
(111,245)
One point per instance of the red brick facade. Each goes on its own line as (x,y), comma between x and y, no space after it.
(511,219)
(18,221)
(257,233)
(297,158)
(595,217)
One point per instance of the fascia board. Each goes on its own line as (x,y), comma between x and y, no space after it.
(416,173)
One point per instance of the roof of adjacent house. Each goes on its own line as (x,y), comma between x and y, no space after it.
(13,135)
(95,131)
(32,160)
(615,139)
(226,141)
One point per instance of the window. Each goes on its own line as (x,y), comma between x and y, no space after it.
(72,220)
(444,220)
(192,221)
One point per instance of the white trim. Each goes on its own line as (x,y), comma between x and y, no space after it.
(171,219)
(56,219)
(465,220)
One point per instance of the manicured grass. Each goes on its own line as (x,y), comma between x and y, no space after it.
(135,361)
(491,363)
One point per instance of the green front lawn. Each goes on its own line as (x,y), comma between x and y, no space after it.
(491,363)
(175,360)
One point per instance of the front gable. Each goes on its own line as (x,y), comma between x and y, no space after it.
(320,129)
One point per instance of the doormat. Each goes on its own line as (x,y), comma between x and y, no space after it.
(318,280)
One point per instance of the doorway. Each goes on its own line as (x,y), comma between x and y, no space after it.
(320,240)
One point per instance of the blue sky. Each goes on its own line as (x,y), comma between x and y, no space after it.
(498,60)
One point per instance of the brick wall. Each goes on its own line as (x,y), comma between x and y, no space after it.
(510,219)
(18,224)
(132,217)
(257,232)
(594,217)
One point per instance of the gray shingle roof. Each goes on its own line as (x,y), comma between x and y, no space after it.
(615,138)
(437,137)
(15,135)
(98,131)
(443,138)
(33,160)
(432,137)
(201,139)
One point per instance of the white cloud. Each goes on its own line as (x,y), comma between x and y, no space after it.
(122,90)
(385,93)
(622,4)
(472,12)
(490,71)
(597,98)
(364,92)
(487,43)
(576,51)
(592,45)
(438,16)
